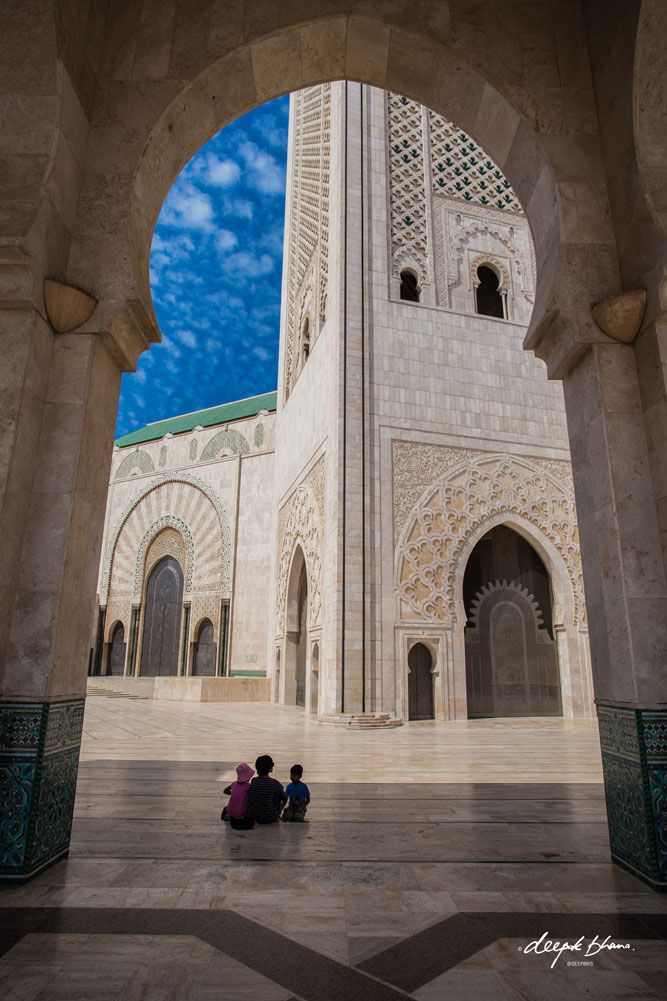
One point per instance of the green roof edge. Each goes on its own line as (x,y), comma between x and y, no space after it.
(222,414)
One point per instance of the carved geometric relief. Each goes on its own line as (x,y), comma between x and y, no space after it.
(301,521)
(469,236)
(414,468)
(456,506)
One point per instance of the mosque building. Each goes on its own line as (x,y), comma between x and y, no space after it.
(392,534)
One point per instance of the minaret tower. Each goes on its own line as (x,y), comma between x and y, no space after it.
(408,282)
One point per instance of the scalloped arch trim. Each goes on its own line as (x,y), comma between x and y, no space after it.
(139,461)
(153,485)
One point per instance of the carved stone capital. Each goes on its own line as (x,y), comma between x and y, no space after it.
(561,337)
(132,332)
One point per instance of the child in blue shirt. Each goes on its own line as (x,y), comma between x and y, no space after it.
(298,795)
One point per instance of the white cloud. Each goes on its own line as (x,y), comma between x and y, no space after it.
(225,240)
(171,347)
(223,173)
(240,207)
(188,208)
(265,173)
(261,353)
(187,337)
(249,265)
(270,130)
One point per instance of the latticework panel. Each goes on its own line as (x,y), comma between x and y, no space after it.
(406,170)
(308,254)
(461,169)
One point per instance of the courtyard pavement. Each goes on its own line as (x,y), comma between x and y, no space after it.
(434,856)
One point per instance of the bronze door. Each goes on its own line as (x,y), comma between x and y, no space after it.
(511,660)
(205,651)
(420,683)
(117,651)
(162,621)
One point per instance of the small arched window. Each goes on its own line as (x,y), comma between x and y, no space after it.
(409,286)
(489,299)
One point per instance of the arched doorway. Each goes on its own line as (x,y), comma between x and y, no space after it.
(301,650)
(117,651)
(511,653)
(205,652)
(162,619)
(420,683)
(296,620)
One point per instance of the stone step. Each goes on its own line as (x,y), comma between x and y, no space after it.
(109,693)
(362,721)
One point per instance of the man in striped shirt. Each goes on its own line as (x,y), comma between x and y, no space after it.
(267,796)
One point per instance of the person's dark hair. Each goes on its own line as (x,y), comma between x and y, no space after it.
(298,769)
(264,764)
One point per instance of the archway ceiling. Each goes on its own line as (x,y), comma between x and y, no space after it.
(161,103)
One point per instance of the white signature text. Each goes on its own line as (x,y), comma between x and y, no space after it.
(544,945)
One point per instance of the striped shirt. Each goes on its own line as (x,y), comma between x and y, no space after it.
(266,797)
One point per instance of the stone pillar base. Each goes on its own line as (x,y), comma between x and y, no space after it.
(634,762)
(39,758)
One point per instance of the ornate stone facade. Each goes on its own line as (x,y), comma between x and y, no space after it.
(458,507)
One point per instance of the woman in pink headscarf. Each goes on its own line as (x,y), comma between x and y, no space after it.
(236,811)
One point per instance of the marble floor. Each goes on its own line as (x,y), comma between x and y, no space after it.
(435,856)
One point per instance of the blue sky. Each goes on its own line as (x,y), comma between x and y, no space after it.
(216,264)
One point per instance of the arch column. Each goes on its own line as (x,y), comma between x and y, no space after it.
(626,592)
(65,390)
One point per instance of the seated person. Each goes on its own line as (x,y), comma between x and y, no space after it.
(267,796)
(298,795)
(236,810)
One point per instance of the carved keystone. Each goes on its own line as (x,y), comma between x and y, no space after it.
(621,315)
(66,307)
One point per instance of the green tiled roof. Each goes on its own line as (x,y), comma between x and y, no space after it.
(201,418)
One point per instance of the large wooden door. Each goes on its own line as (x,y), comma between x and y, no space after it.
(117,651)
(206,650)
(420,683)
(162,621)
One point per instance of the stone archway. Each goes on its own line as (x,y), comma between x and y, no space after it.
(420,683)
(204,654)
(295,674)
(154,129)
(511,650)
(117,650)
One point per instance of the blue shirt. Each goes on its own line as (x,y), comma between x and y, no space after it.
(300,792)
